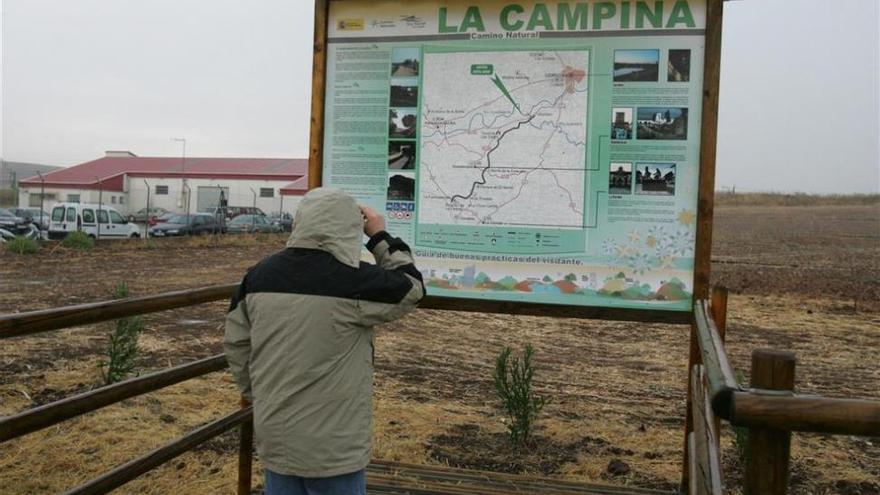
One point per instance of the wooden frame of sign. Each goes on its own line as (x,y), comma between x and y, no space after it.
(705,201)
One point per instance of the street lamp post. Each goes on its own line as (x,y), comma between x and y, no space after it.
(254,211)
(182,141)
(147,216)
(218,225)
(42,195)
(183,188)
(186,201)
(100,207)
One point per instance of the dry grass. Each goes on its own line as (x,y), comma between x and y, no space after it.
(794,199)
(195,242)
(617,389)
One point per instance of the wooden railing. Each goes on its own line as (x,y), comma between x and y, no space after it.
(769,408)
(41,417)
(18,324)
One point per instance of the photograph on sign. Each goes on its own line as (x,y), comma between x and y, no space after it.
(620,178)
(482,130)
(401,155)
(662,123)
(621,123)
(679,68)
(636,65)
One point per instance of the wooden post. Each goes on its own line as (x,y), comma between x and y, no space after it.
(706,199)
(319,65)
(245,452)
(708,146)
(768,451)
(718,308)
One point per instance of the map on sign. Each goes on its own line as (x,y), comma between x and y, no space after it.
(503,138)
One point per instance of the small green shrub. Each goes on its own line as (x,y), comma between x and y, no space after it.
(122,344)
(23,245)
(78,240)
(513,383)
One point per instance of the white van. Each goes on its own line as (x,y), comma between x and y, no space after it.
(104,222)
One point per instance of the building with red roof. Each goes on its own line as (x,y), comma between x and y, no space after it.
(127,182)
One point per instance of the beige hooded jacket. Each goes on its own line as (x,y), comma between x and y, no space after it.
(299,337)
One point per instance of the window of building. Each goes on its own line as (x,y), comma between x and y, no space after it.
(73,198)
(267,192)
(121,198)
(161,190)
(113,199)
(34,199)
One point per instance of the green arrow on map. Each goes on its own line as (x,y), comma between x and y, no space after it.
(497,81)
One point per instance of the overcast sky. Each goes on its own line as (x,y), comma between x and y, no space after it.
(800,95)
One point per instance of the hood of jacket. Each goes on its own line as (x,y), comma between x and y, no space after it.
(329,220)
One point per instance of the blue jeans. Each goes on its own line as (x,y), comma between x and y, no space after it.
(344,484)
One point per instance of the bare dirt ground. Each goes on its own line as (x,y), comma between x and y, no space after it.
(804,279)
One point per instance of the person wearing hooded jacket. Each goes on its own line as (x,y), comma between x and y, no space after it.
(299,342)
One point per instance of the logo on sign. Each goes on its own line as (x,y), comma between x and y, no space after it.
(413,21)
(383,24)
(350,25)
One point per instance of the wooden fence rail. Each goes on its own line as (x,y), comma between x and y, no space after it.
(134,468)
(721,379)
(44,320)
(754,409)
(47,415)
(18,324)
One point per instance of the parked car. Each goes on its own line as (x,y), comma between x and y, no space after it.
(193,224)
(231,212)
(162,218)
(102,222)
(12,222)
(145,216)
(283,220)
(34,215)
(32,233)
(251,223)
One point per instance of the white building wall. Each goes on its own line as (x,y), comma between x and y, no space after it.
(135,197)
(54,195)
(241,193)
(291,203)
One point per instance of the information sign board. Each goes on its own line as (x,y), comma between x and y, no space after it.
(532,152)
